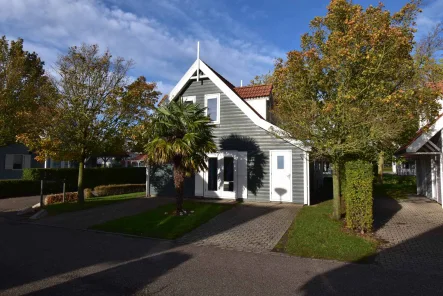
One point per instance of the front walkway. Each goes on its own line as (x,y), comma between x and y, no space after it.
(251,227)
(413,233)
(86,218)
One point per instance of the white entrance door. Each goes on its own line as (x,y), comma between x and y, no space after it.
(226,175)
(281,175)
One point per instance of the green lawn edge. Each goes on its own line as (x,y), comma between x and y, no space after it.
(156,224)
(314,234)
(59,208)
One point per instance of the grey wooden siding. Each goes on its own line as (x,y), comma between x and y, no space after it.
(237,132)
(162,182)
(15,149)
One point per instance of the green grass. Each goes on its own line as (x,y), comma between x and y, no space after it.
(155,223)
(315,235)
(396,187)
(89,203)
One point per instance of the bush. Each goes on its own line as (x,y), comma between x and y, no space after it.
(69,197)
(88,193)
(17,188)
(358,195)
(118,189)
(92,176)
(58,198)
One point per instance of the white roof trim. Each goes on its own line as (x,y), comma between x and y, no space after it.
(256,98)
(242,105)
(426,136)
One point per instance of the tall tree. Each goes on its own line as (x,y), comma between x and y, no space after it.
(347,92)
(25,90)
(181,135)
(95,105)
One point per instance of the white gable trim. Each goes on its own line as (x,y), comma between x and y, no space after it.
(242,105)
(425,136)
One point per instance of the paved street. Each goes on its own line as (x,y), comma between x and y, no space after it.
(47,260)
(18,203)
(413,232)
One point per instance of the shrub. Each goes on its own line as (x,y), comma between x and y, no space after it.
(88,193)
(69,197)
(118,189)
(58,198)
(17,188)
(358,195)
(92,176)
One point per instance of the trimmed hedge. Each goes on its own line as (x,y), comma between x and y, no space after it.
(58,198)
(16,188)
(106,190)
(92,176)
(358,195)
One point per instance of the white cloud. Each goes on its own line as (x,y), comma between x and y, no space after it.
(432,14)
(161,49)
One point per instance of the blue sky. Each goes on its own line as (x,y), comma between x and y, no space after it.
(239,38)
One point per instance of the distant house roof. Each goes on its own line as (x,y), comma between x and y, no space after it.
(430,127)
(137,157)
(254,91)
(165,98)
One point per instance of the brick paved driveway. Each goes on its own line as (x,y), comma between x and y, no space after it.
(246,227)
(413,232)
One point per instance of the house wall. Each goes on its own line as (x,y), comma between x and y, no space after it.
(237,132)
(15,149)
(259,105)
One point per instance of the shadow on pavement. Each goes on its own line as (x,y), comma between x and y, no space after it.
(420,256)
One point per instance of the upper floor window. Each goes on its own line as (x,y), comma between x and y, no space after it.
(212,104)
(189,100)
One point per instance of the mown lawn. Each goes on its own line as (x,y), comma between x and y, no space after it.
(396,187)
(314,234)
(89,203)
(155,223)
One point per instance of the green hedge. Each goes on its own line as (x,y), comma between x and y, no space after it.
(358,195)
(92,176)
(16,188)
(105,190)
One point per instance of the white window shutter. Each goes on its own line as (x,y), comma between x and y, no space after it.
(9,161)
(199,184)
(26,161)
(242,175)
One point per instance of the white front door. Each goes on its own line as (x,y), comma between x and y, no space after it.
(281,175)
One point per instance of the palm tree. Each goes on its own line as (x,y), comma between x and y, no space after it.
(181,134)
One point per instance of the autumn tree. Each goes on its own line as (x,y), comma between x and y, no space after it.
(347,91)
(25,90)
(95,105)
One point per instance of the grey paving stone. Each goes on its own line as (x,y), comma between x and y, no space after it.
(413,232)
(246,227)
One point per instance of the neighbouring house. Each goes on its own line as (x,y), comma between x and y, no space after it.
(254,161)
(14,158)
(425,148)
(135,160)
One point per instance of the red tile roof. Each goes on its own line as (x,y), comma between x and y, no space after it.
(165,97)
(254,91)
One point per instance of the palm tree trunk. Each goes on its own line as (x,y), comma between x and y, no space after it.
(179,179)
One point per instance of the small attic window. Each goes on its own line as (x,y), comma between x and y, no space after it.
(212,104)
(189,100)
